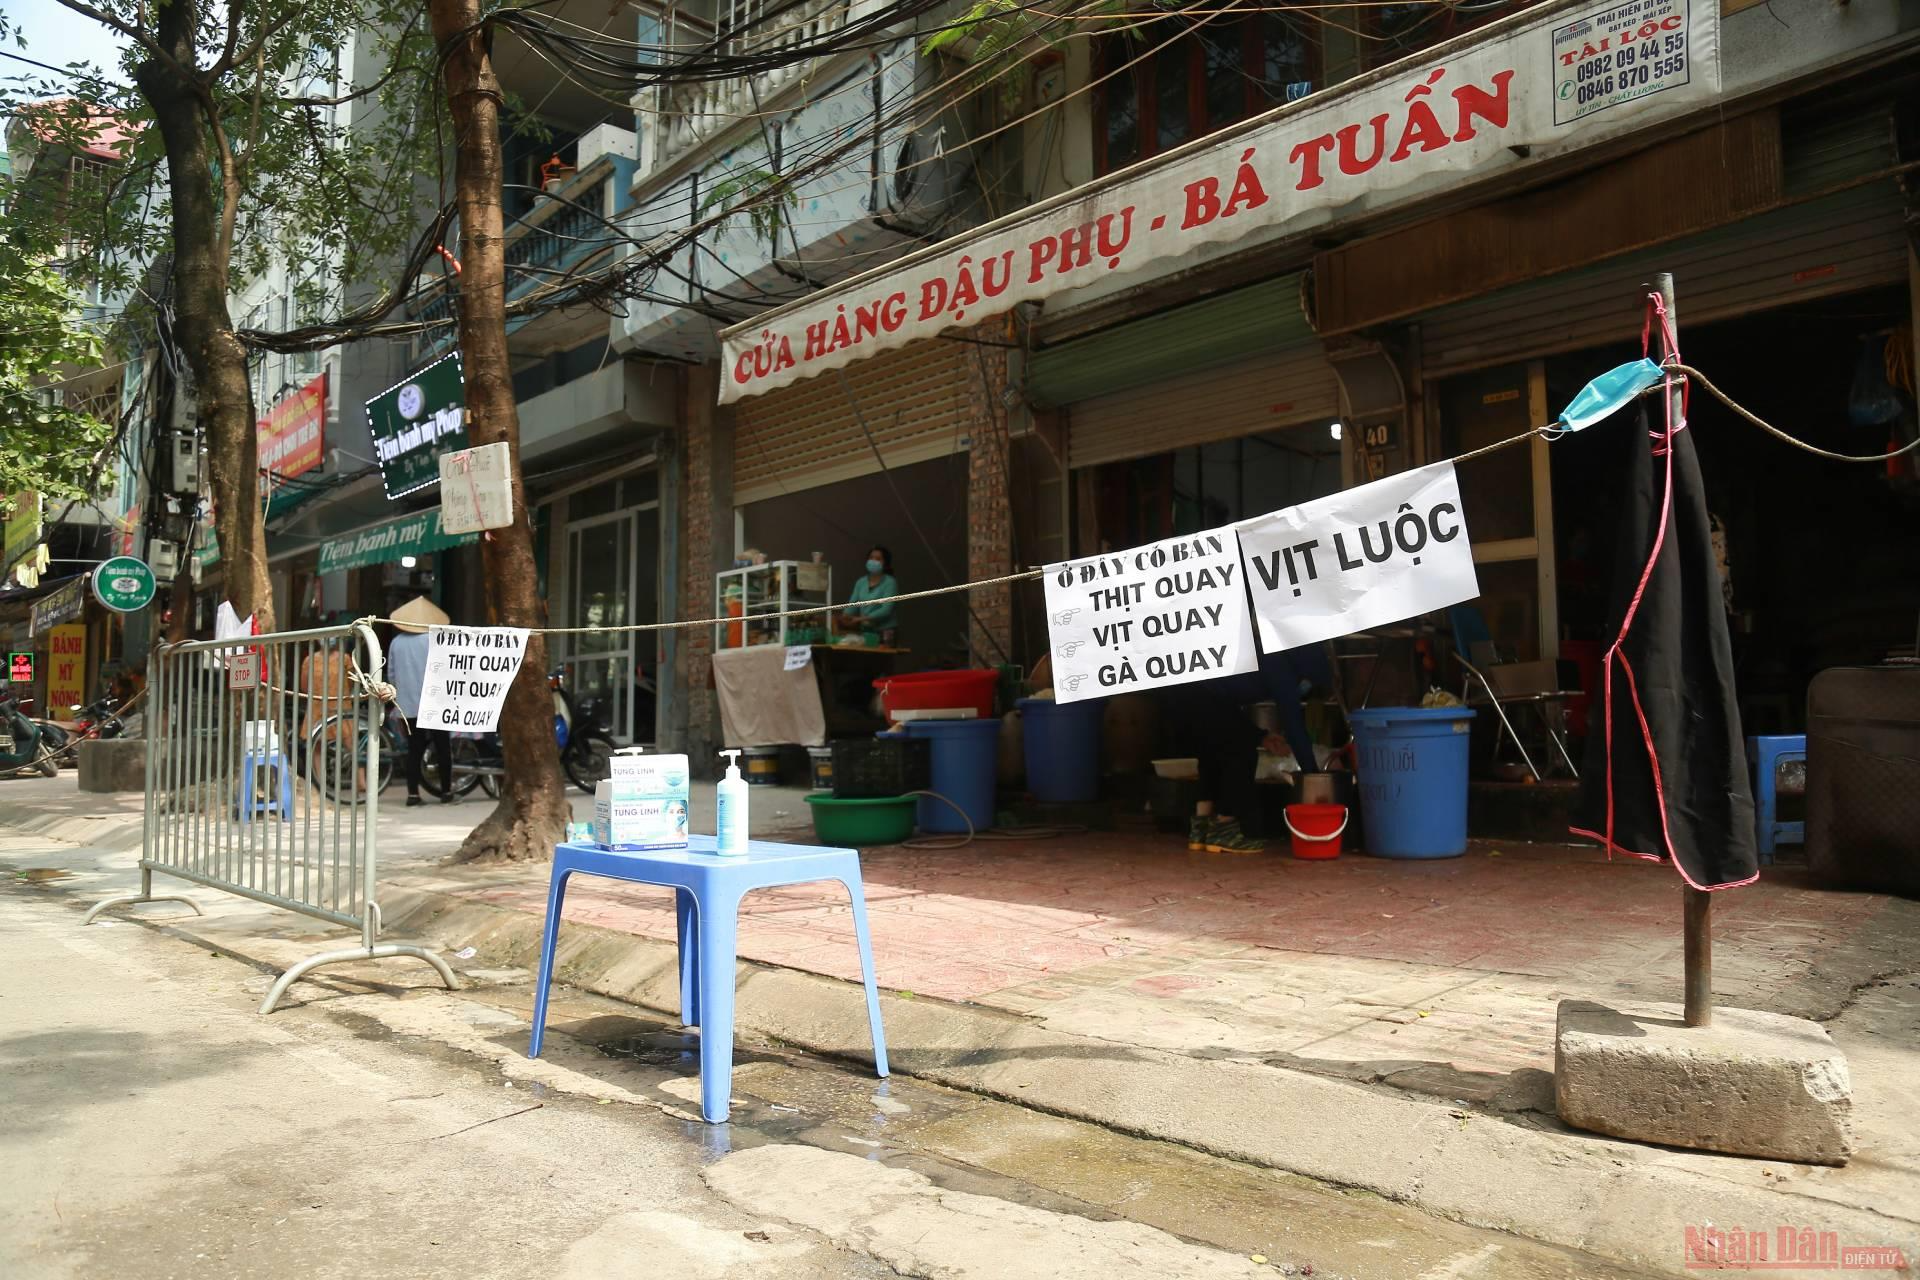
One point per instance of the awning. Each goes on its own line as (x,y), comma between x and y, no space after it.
(415,535)
(1512,96)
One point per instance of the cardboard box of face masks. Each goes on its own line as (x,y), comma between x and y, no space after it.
(643,805)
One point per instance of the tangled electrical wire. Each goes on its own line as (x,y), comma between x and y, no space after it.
(619,266)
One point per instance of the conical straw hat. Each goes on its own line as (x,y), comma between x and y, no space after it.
(419,613)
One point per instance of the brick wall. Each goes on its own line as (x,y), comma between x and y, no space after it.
(706,486)
(989,516)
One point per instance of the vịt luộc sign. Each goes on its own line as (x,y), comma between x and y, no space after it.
(1520,93)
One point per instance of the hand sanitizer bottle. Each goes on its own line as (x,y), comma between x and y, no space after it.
(730,810)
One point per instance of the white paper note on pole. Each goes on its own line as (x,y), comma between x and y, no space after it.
(476,489)
(468,672)
(1166,613)
(1362,558)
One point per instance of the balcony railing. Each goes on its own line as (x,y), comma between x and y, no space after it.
(566,226)
(689,113)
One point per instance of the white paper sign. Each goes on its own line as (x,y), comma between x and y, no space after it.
(1361,558)
(476,489)
(1166,613)
(468,672)
(798,656)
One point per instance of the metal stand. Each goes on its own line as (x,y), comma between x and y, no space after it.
(1697,904)
(380,951)
(146,894)
(1698,909)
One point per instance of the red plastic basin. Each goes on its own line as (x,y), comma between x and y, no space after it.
(930,690)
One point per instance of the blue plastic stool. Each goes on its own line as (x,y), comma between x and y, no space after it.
(1766,755)
(260,751)
(707,893)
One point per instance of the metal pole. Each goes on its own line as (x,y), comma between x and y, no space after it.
(1696,904)
(1699,955)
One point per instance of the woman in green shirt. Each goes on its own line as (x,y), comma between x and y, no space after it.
(876,584)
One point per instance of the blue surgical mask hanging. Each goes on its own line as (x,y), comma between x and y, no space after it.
(1609,393)
(874,566)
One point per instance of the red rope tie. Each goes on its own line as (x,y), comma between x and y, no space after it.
(1669,356)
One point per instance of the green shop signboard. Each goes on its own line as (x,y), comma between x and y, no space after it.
(416,535)
(123,584)
(417,421)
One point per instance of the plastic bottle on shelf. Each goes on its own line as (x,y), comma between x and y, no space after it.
(730,810)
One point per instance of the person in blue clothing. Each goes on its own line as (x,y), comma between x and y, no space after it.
(1211,719)
(407,669)
(876,584)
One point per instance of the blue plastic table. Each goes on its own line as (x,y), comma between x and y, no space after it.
(707,893)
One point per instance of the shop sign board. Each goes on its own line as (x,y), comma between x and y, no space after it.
(124,584)
(416,535)
(66,667)
(413,423)
(58,606)
(1559,78)
(292,437)
(19,667)
(21,530)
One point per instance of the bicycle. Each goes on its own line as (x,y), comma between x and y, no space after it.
(336,754)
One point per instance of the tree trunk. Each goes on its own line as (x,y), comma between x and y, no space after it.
(202,323)
(533,810)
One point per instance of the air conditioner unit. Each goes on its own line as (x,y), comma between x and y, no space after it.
(606,140)
(926,165)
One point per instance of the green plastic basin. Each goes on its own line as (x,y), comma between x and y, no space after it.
(857,823)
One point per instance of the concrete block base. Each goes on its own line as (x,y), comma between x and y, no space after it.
(112,764)
(1753,1084)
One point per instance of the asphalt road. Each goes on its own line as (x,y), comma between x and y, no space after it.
(153,1124)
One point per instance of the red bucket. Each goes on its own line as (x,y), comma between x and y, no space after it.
(1316,829)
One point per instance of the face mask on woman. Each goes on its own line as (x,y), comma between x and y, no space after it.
(874,566)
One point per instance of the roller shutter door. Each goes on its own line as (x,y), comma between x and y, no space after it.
(1221,330)
(915,400)
(1280,389)
(1833,244)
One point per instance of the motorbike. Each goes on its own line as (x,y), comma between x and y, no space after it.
(98,719)
(23,744)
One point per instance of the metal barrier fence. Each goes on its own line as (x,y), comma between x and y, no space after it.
(265,762)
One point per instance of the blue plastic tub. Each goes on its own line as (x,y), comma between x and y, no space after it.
(1062,745)
(1413,779)
(965,756)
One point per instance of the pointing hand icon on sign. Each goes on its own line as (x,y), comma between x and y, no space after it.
(1073,682)
(1065,616)
(1070,648)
